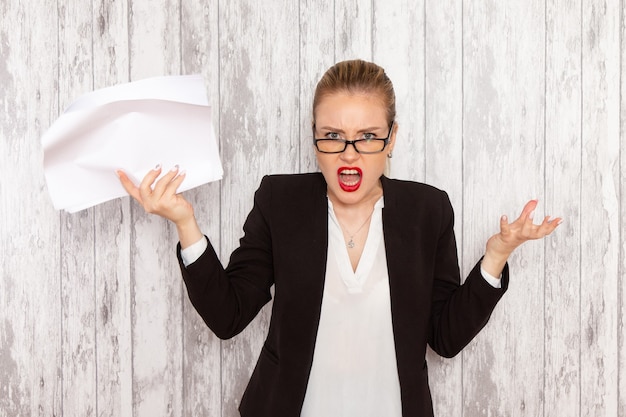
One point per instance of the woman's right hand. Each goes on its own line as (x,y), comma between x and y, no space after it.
(163,200)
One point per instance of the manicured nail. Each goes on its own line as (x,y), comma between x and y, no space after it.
(174,168)
(157,167)
(505,219)
(183,172)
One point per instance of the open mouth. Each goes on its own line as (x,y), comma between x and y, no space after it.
(349,178)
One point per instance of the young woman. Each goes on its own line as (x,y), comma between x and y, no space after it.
(364,268)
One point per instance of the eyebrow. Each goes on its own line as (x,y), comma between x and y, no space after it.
(333,129)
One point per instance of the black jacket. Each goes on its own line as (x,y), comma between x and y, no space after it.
(285,244)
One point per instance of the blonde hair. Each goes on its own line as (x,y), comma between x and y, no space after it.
(357,76)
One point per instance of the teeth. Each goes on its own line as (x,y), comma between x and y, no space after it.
(350,172)
(350,177)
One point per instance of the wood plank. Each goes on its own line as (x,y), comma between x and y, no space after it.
(317,55)
(503,168)
(353,25)
(621,346)
(563,197)
(156,304)
(201,348)
(424,63)
(259,125)
(77,230)
(443,159)
(112,234)
(600,207)
(398,39)
(30,309)
(621,331)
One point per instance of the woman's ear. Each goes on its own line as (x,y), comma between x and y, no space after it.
(392,139)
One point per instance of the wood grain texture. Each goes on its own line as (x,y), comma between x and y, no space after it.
(112,233)
(621,289)
(443,144)
(498,102)
(563,197)
(353,29)
(503,167)
(77,231)
(600,207)
(30,308)
(156,288)
(317,54)
(259,127)
(398,45)
(202,391)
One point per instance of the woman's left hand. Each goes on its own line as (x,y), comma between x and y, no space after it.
(501,245)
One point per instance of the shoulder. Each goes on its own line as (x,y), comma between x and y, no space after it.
(412,191)
(423,203)
(291,180)
(292,185)
(292,189)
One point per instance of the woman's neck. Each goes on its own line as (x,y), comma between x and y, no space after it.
(353,215)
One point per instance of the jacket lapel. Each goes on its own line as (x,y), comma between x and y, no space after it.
(304,266)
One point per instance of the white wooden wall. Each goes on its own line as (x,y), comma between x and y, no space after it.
(498,102)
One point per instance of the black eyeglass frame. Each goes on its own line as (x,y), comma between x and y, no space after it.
(353,143)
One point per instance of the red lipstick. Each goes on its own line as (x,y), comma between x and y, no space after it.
(349,178)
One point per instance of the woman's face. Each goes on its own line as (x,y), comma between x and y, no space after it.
(352,177)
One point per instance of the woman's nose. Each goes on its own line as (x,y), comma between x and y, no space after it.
(350,154)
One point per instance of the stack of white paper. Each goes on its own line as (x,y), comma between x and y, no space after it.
(134,127)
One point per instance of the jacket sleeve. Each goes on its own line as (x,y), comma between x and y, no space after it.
(228,299)
(458,312)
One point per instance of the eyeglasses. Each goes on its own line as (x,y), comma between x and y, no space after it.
(365,145)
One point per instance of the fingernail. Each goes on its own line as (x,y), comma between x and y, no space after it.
(183,172)
(174,168)
(559,222)
(118,173)
(505,219)
(157,167)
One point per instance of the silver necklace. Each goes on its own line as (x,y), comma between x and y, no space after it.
(350,243)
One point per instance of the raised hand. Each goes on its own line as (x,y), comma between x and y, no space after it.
(161,198)
(512,235)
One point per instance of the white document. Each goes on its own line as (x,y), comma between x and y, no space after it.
(134,127)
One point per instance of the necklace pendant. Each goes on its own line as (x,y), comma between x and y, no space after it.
(351,243)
